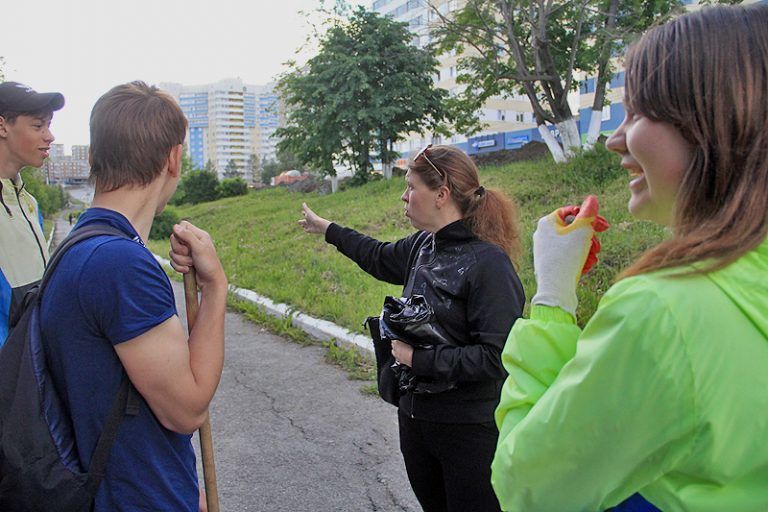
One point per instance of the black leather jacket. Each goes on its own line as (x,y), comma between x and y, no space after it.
(476,296)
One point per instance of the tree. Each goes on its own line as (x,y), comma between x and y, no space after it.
(232,170)
(288,160)
(200,186)
(618,22)
(269,170)
(535,48)
(365,89)
(50,199)
(254,167)
(231,187)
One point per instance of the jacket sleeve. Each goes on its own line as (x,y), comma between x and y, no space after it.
(588,419)
(495,300)
(386,261)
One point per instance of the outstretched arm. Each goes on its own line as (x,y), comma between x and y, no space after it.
(386,261)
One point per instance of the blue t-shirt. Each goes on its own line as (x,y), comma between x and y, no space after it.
(108,290)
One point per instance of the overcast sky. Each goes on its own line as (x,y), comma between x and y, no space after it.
(82,48)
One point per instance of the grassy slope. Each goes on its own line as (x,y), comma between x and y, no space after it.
(264,250)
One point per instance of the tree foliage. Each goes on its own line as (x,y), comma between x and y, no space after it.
(536,48)
(199,187)
(286,161)
(230,187)
(50,199)
(365,89)
(232,170)
(269,170)
(254,167)
(162,225)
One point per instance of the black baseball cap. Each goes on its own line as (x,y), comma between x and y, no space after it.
(16,97)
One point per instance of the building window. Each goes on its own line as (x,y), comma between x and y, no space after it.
(501,115)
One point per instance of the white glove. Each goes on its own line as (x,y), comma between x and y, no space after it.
(565,248)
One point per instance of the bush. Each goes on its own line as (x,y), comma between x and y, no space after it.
(177,199)
(596,167)
(200,187)
(162,226)
(231,187)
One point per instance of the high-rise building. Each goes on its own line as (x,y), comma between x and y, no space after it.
(80,152)
(57,151)
(228,122)
(63,168)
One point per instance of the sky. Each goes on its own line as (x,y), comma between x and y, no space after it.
(82,48)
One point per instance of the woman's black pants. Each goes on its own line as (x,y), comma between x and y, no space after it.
(449,465)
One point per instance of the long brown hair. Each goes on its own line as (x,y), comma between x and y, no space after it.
(490,214)
(706,73)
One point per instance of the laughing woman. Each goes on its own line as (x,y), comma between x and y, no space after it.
(459,260)
(662,399)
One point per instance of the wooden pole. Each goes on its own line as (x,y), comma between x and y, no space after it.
(206,438)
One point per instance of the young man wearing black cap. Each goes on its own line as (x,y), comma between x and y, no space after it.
(25,140)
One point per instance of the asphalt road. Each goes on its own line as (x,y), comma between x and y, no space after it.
(293,433)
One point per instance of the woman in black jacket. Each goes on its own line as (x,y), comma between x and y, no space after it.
(459,260)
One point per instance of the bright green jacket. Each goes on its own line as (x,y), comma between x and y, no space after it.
(664,393)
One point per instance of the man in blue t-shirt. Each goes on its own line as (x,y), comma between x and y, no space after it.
(109,308)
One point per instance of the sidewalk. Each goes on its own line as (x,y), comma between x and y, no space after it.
(293,433)
(61,229)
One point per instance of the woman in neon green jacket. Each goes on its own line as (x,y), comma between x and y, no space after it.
(662,399)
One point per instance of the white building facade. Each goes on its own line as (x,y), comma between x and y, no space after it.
(499,114)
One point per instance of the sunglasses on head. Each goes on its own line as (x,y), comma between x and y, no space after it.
(423,152)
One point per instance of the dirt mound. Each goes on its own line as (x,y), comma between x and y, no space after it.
(531,151)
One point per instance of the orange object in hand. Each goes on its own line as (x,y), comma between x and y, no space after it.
(587,211)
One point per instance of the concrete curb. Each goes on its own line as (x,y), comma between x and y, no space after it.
(322,330)
(50,236)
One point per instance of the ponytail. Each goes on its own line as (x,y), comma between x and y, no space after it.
(490,214)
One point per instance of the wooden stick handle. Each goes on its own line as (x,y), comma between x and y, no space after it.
(206,437)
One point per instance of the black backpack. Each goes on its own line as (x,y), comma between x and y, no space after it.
(39,465)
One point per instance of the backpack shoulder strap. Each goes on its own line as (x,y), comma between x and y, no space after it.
(73,238)
(126,403)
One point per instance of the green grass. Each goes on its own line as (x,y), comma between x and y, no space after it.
(263,249)
(48,223)
(280,326)
(357,365)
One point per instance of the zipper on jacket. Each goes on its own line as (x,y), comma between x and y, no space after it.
(10,213)
(31,226)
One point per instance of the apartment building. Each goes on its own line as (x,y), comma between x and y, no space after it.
(510,122)
(64,168)
(228,122)
(499,114)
